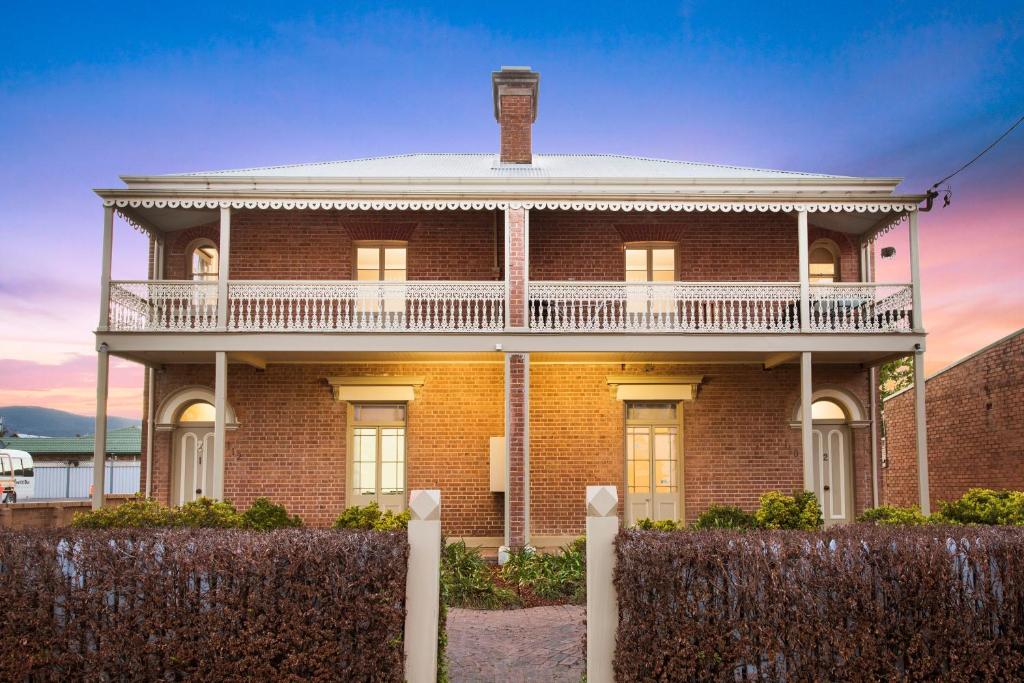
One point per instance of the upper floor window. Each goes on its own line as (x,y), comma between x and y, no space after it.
(650,262)
(823,261)
(202,261)
(381,261)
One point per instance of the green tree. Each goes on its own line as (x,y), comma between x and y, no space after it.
(896,375)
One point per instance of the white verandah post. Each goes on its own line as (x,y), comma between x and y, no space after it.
(915,273)
(806,423)
(99,449)
(921,430)
(423,586)
(223,264)
(805,285)
(220,402)
(602,601)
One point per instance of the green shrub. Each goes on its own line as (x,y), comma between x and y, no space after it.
(725,517)
(138,512)
(890,515)
(984,506)
(264,515)
(661,525)
(371,517)
(779,511)
(206,513)
(549,576)
(466,580)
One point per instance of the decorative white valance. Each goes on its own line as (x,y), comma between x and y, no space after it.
(662,388)
(375,389)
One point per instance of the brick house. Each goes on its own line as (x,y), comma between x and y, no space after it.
(510,328)
(976,427)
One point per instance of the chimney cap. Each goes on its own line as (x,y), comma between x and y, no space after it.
(515,78)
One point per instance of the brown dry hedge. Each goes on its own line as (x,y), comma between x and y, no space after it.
(861,603)
(172,605)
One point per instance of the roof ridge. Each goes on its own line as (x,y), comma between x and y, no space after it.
(326,163)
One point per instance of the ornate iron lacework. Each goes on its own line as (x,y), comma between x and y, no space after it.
(898,209)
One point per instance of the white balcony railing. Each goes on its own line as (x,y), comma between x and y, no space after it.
(861,307)
(665,307)
(162,305)
(453,306)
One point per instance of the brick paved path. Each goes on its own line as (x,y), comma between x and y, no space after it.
(536,644)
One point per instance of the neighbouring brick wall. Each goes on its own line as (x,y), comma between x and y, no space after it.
(566,245)
(291,445)
(318,245)
(975,415)
(737,439)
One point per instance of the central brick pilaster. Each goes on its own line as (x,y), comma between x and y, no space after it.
(517,449)
(516,245)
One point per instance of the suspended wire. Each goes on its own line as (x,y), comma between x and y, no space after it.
(980,154)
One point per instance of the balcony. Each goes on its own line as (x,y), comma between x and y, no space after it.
(479,306)
(309,306)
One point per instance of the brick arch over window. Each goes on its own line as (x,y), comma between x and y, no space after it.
(169,412)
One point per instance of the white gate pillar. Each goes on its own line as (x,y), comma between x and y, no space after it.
(423,587)
(602,602)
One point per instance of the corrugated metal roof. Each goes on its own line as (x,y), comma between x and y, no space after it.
(489,166)
(126,441)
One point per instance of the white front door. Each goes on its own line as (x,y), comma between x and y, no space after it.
(192,465)
(652,462)
(833,472)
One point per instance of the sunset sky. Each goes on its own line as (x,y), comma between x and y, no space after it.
(885,89)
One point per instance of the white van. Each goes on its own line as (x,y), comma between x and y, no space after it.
(17,481)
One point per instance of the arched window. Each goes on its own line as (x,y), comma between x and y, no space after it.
(824,261)
(203,262)
(826,409)
(200,411)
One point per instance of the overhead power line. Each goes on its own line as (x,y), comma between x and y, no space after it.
(981,153)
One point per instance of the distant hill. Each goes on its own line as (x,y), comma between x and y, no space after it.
(49,422)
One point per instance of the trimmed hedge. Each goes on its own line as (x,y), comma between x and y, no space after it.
(140,604)
(856,603)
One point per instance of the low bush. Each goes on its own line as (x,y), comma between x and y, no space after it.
(263,515)
(552,577)
(865,603)
(984,506)
(467,581)
(893,516)
(370,517)
(779,511)
(202,513)
(202,604)
(660,525)
(138,512)
(724,517)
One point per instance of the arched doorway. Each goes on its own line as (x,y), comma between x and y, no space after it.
(192,464)
(833,412)
(194,470)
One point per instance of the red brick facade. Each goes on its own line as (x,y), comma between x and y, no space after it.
(291,443)
(975,413)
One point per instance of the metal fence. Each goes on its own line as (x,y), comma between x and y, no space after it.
(59,480)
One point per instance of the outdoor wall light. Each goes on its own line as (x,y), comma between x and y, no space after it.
(888,252)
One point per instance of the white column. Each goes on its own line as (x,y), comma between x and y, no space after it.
(805,285)
(915,272)
(99,450)
(108,251)
(602,602)
(806,423)
(220,402)
(423,587)
(921,429)
(223,263)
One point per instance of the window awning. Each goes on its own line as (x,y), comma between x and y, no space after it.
(375,389)
(663,388)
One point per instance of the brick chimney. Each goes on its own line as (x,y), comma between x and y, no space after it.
(515,108)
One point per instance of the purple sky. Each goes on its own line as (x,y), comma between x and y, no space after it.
(873,89)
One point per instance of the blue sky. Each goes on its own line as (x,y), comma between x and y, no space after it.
(890,89)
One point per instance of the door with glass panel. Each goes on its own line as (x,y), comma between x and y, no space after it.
(647,304)
(378,455)
(652,461)
(383,262)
